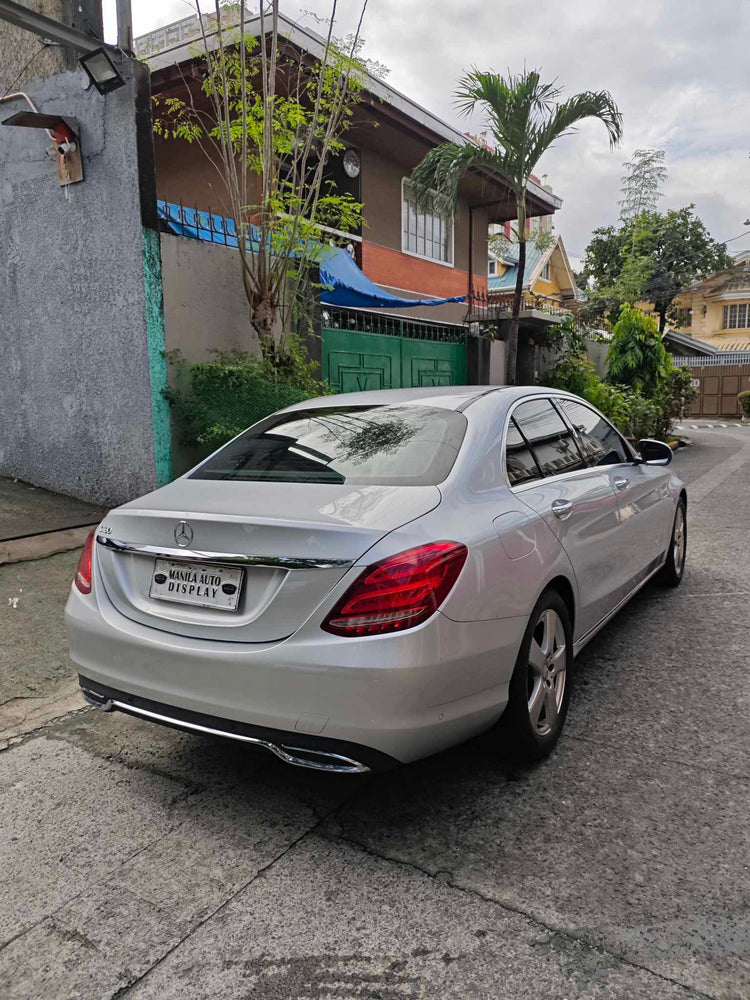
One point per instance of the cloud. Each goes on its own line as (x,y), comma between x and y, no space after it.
(677,69)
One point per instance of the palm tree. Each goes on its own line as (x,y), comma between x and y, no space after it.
(523,118)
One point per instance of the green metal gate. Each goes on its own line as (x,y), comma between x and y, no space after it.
(364,351)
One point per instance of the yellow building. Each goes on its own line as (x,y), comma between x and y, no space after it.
(548,279)
(716,310)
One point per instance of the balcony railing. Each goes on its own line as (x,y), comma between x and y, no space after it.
(499,305)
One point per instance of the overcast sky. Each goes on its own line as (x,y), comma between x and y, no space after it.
(678,70)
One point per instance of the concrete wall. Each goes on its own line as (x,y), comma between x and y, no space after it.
(497,363)
(23,57)
(596,352)
(81,323)
(204,302)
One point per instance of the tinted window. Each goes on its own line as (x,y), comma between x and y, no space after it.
(601,443)
(385,445)
(518,458)
(551,440)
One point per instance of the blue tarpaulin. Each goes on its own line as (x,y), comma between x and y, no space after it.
(345,284)
(349,286)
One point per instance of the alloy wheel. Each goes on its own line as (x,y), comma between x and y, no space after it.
(547,672)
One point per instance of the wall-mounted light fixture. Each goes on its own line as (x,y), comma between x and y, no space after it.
(102,72)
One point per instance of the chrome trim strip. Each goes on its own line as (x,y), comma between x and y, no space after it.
(192,555)
(339,765)
(587,636)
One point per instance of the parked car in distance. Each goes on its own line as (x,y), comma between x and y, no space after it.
(362,580)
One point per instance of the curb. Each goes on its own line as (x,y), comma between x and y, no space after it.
(39,546)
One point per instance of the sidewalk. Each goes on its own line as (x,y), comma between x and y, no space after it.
(36,523)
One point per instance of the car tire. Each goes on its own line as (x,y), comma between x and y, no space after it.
(673,569)
(539,690)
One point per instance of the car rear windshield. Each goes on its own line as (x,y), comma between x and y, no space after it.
(385,445)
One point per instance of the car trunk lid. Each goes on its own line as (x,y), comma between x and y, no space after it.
(293,543)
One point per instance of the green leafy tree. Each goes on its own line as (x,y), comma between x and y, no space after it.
(681,249)
(636,357)
(651,257)
(523,118)
(268,121)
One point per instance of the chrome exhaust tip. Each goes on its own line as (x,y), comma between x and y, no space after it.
(105,704)
(318,760)
(314,760)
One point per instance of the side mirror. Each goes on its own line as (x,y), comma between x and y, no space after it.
(654,452)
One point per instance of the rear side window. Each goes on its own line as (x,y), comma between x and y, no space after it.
(550,438)
(519,461)
(601,443)
(381,445)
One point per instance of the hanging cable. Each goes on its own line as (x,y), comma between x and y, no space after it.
(29,61)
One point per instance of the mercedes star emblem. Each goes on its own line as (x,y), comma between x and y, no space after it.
(183,534)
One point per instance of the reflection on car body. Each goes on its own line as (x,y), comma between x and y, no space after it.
(412,567)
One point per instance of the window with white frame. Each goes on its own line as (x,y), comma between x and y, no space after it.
(545,272)
(736,317)
(492,267)
(427,234)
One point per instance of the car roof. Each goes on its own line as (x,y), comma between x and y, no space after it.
(449,397)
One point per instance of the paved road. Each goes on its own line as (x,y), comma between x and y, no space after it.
(142,863)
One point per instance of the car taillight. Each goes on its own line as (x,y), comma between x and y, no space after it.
(83,573)
(399,592)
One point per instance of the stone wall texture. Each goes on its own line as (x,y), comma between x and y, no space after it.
(75,378)
(25,57)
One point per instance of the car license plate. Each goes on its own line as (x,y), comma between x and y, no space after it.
(200,584)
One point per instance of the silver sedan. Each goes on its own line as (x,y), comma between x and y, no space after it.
(362,580)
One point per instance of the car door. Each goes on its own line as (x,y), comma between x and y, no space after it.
(548,473)
(641,490)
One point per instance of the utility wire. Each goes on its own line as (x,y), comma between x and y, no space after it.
(29,61)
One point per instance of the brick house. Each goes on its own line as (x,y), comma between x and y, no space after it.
(411,255)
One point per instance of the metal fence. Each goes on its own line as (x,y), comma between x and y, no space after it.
(489,305)
(195,224)
(722,358)
(360,321)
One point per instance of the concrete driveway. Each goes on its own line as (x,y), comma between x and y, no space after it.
(143,863)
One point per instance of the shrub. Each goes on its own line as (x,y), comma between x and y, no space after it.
(744,401)
(575,373)
(610,400)
(643,416)
(673,396)
(636,357)
(215,400)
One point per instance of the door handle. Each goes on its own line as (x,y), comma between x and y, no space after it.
(561,508)
(621,484)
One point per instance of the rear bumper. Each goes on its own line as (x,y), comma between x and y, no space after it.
(314,752)
(401,696)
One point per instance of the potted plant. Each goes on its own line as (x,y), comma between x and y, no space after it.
(744,400)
